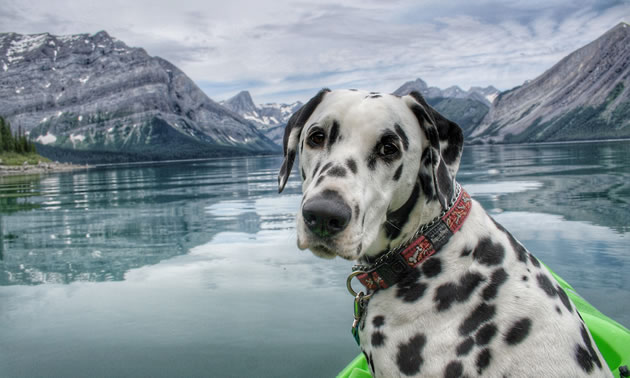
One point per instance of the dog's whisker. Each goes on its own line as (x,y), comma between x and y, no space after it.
(393,225)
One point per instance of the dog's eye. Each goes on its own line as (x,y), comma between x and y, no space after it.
(316,138)
(387,149)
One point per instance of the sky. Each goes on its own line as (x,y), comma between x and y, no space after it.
(286,50)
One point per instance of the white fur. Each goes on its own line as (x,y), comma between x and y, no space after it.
(549,348)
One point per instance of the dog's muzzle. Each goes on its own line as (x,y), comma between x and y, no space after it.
(326,214)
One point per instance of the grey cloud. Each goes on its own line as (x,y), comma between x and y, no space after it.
(288,47)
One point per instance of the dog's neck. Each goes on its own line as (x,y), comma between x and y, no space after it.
(427,212)
(390,267)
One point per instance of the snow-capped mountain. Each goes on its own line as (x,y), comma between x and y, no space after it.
(485,95)
(94,93)
(270,118)
(584,96)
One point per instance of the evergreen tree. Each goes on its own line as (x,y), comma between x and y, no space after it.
(7,138)
(17,142)
(7,142)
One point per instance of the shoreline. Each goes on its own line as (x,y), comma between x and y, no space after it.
(41,168)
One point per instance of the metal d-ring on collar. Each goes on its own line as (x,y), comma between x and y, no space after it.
(351,290)
(360,303)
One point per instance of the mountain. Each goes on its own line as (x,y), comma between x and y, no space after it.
(583,96)
(485,95)
(94,97)
(269,118)
(467,109)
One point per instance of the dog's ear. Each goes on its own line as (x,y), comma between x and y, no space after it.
(292,136)
(440,161)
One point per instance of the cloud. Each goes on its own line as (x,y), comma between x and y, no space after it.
(287,49)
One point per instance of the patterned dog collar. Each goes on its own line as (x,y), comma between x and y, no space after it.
(393,266)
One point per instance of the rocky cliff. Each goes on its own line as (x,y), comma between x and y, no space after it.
(466,108)
(584,96)
(269,118)
(484,95)
(95,94)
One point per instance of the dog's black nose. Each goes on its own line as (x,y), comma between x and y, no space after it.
(326,214)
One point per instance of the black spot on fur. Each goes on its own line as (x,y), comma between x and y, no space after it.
(583,358)
(589,346)
(431,133)
(409,358)
(497,279)
(402,135)
(445,296)
(410,289)
(316,169)
(485,334)
(454,369)
(352,165)
(398,173)
(369,361)
(398,218)
(326,166)
(356,211)
(425,159)
(319,180)
(488,253)
(480,315)
(558,310)
(359,248)
(334,133)
(545,283)
(337,171)
(564,298)
(465,252)
(534,260)
(525,278)
(432,267)
(303,174)
(285,169)
(378,321)
(518,332)
(465,347)
(378,339)
(450,292)
(483,360)
(521,252)
(426,182)
(445,182)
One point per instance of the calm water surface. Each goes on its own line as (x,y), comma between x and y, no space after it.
(191,269)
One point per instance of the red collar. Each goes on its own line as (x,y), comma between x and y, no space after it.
(392,267)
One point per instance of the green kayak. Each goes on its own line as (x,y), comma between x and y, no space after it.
(612,339)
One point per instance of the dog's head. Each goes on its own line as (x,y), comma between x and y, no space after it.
(374,169)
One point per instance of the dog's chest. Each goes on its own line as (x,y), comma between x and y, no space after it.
(470,309)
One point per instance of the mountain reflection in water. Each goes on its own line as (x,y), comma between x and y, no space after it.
(190,268)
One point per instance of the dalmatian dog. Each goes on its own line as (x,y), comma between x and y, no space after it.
(450,292)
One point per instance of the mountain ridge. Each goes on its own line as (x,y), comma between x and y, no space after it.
(583,96)
(485,95)
(93,92)
(269,118)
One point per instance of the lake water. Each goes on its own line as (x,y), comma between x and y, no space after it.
(191,268)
